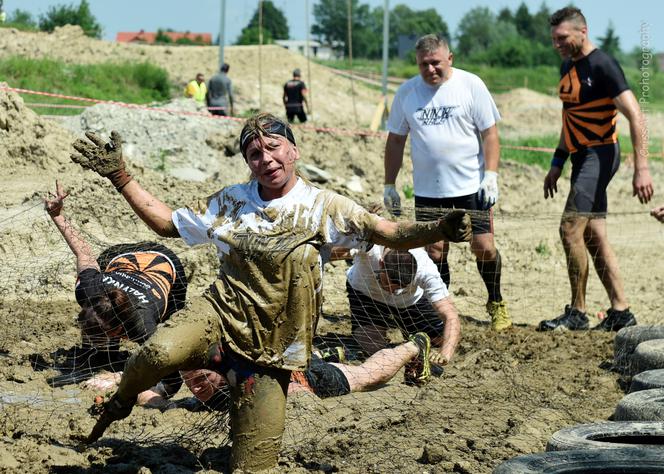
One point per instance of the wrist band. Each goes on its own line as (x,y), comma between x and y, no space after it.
(559,158)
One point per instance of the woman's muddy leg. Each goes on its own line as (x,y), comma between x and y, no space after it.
(181,343)
(258,415)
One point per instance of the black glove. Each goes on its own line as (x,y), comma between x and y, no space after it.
(103,158)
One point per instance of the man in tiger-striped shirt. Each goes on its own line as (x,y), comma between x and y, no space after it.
(593,89)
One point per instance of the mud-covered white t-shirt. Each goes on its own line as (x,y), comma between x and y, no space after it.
(426,281)
(444,123)
(268,293)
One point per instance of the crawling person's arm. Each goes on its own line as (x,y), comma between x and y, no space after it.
(451,332)
(85,257)
(106,159)
(455,227)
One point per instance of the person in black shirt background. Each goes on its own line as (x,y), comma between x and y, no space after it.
(295,98)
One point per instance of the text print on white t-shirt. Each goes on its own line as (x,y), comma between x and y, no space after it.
(434,115)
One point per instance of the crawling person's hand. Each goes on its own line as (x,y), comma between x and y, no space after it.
(436,358)
(103,381)
(53,203)
(103,158)
(658,213)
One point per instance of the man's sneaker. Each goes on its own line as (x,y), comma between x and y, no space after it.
(571,319)
(418,370)
(500,317)
(616,320)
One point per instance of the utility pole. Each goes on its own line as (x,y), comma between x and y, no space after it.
(386,46)
(222,33)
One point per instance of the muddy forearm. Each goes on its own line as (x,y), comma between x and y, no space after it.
(408,235)
(156,214)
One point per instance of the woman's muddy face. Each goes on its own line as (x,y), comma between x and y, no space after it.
(271,160)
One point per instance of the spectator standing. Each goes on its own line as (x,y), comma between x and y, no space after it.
(451,118)
(197,89)
(295,98)
(220,93)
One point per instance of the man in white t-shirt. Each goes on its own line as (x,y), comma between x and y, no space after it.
(400,289)
(451,119)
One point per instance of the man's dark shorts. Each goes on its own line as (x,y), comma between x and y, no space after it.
(429,209)
(292,112)
(421,317)
(219,112)
(592,170)
(325,379)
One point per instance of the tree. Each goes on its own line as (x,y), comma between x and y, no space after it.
(275,25)
(505,14)
(251,36)
(331,26)
(541,27)
(524,21)
(475,31)
(61,15)
(21,20)
(610,43)
(404,21)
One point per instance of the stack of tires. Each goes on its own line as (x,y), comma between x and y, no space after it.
(633,442)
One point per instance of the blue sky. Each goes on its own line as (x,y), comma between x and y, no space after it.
(204,15)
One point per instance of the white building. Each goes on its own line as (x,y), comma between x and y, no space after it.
(316,49)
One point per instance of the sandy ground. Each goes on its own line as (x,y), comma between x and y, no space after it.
(503,395)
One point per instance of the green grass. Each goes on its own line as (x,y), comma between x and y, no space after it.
(543,159)
(139,83)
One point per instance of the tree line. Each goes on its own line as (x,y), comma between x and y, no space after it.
(509,38)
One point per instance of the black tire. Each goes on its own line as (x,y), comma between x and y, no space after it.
(607,461)
(647,380)
(626,341)
(649,355)
(609,435)
(645,405)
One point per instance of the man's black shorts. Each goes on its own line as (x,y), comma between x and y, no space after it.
(592,170)
(421,317)
(429,209)
(292,112)
(325,379)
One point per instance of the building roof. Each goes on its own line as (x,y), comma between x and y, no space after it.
(149,37)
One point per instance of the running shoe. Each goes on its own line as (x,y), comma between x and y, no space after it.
(500,317)
(572,319)
(418,370)
(616,320)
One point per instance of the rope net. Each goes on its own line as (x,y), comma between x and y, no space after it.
(52,373)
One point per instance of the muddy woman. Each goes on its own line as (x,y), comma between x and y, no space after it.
(270,234)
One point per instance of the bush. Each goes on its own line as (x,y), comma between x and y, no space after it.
(21,20)
(61,15)
(123,82)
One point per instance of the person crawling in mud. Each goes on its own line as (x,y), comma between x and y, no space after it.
(400,289)
(323,378)
(269,233)
(124,293)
